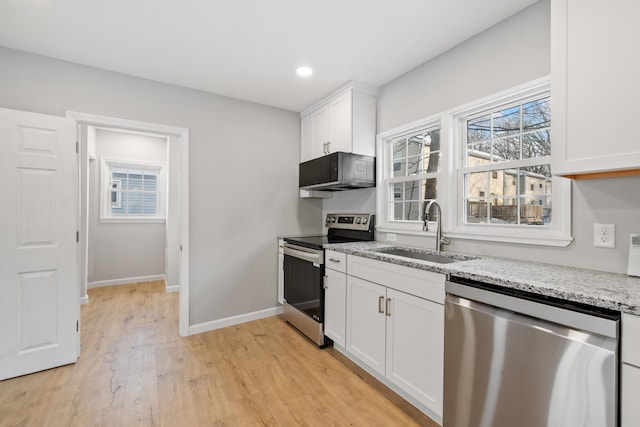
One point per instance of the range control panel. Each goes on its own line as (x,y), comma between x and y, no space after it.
(350,221)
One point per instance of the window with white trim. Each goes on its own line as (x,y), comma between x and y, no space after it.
(503,173)
(131,191)
(488,164)
(410,174)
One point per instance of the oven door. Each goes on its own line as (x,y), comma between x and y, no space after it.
(303,273)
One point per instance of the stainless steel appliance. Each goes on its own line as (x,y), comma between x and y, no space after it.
(516,359)
(304,270)
(337,172)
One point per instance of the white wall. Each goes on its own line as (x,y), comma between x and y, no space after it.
(243,170)
(121,251)
(513,52)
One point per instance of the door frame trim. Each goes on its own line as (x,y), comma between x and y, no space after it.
(182,137)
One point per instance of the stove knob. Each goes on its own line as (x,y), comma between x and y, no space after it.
(365,220)
(358,220)
(333,219)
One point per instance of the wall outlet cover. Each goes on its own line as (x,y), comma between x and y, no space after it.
(604,235)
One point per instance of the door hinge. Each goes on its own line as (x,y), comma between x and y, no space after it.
(77,326)
(77,147)
(77,236)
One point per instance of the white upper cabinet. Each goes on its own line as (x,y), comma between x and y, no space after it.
(595,71)
(344,121)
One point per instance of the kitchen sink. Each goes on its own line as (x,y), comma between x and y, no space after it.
(423,255)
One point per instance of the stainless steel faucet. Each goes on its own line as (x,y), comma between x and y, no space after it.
(440,239)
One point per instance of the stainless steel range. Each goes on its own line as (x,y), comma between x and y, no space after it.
(304,270)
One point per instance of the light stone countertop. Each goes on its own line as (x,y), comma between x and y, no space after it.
(607,290)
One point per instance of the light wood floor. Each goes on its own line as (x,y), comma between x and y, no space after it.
(136,370)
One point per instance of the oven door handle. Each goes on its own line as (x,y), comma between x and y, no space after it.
(313,257)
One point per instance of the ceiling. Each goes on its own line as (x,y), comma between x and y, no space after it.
(249,49)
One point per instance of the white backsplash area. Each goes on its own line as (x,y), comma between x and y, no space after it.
(362,200)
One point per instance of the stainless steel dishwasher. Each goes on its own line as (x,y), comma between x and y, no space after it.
(516,359)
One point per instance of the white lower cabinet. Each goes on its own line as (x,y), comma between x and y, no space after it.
(396,334)
(630,372)
(335,296)
(415,338)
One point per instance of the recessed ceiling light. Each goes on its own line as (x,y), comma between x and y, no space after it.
(304,71)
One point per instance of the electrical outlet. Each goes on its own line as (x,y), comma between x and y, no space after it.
(604,235)
(391,237)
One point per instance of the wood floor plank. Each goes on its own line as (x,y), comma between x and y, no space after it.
(135,370)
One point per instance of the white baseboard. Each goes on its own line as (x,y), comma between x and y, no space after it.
(84,299)
(173,288)
(124,281)
(233,320)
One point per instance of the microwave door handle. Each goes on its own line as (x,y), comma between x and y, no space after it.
(306,256)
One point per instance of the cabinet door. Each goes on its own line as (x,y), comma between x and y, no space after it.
(305,139)
(340,122)
(366,322)
(630,396)
(415,346)
(319,131)
(595,85)
(335,306)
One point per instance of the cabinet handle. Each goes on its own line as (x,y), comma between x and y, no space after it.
(334,260)
(388,307)
(380,308)
(325,282)
(324,148)
(328,147)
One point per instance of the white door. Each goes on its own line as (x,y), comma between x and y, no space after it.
(39,292)
(340,122)
(415,347)
(366,322)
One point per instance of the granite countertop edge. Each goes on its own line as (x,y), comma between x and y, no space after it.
(597,288)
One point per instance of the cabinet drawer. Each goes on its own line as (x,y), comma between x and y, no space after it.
(335,261)
(421,283)
(631,339)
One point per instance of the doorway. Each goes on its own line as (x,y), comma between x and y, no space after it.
(175,210)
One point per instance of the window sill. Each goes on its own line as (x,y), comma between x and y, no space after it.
(132,220)
(548,238)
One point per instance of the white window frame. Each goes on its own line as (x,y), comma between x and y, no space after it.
(105,192)
(384,171)
(558,233)
(451,179)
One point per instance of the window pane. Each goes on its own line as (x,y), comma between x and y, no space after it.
(412,211)
(477,183)
(531,211)
(398,211)
(536,144)
(534,179)
(430,191)
(478,129)
(506,122)
(399,167)
(536,114)
(414,165)
(506,149)
(476,211)
(397,191)
(399,149)
(478,154)
(412,190)
(504,210)
(432,161)
(414,147)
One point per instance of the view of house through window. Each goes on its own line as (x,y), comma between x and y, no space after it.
(416,161)
(507,170)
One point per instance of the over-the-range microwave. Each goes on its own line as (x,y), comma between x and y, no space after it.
(338,171)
